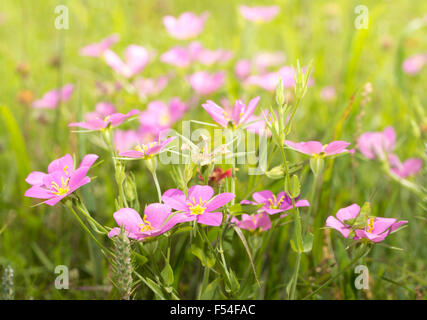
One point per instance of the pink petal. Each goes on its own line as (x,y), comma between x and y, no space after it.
(220,200)
(35,178)
(200,193)
(175,199)
(349,212)
(332,222)
(210,218)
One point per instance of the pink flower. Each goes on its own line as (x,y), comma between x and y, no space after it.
(186,26)
(97,49)
(377,144)
(264,60)
(315,148)
(269,81)
(259,221)
(180,56)
(239,115)
(126,139)
(136,58)
(242,69)
(177,56)
(199,205)
(160,116)
(328,93)
(146,151)
(375,229)
(103,117)
(146,87)
(51,99)
(415,63)
(205,83)
(405,169)
(273,204)
(210,57)
(158,219)
(61,180)
(259,13)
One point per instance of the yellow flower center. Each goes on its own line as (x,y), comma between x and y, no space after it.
(370,225)
(146,226)
(225,114)
(66,170)
(60,190)
(165,119)
(274,204)
(197,209)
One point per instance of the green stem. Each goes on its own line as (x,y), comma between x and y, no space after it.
(69,205)
(156,182)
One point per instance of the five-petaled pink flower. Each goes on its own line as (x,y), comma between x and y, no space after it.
(375,229)
(61,180)
(158,219)
(136,58)
(104,117)
(316,149)
(147,150)
(205,83)
(259,221)
(199,205)
(377,144)
(186,26)
(97,49)
(51,99)
(240,115)
(259,13)
(273,204)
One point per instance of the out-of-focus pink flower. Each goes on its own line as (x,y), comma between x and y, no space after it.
(240,114)
(102,110)
(375,229)
(103,117)
(328,93)
(51,99)
(61,180)
(199,205)
(415,63)
(315,148)
(158,219)
(259,221)
(126,139)
(273,204)
(259,13)
(377,144)
(210,57)
(205,83)
(243,68)
(160,116)
(97,49)
(180,56)
(146,151)
(150,86)
(270,80)
(264,60)
(136,58)
(405,169)
(186,26)
(177,56)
